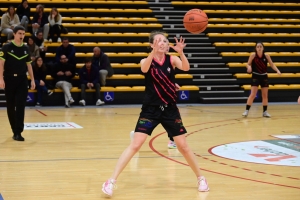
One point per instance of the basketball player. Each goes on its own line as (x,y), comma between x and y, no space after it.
(257,65)
(159,106)
(14,63)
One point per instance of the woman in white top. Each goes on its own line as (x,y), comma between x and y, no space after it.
(9,21)
(55,20)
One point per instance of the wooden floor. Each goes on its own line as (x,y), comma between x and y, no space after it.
(72,164)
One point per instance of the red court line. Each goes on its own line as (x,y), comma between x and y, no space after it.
(41,112)
(238,177)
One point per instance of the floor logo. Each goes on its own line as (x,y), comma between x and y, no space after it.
(272,152)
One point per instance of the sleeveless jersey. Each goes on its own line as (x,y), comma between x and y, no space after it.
(259,65)
(160,83)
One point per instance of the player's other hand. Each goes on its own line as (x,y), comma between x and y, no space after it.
(2,84)
(177,87)
(32,85)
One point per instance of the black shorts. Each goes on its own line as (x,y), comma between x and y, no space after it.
(261,80)
(168,116)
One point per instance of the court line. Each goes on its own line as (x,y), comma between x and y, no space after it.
(238,177)
(41,112)
(76,159)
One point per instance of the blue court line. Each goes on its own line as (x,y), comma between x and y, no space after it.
(1,198)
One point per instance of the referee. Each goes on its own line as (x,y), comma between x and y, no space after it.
(14,63)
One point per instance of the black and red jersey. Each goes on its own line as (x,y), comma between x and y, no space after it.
(259,65)
(160,83)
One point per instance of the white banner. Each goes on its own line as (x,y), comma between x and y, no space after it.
(51,125)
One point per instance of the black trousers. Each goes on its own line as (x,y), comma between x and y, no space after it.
(96,87)
(16,91)
(55,29)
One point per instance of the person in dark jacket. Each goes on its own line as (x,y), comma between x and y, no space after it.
(66,49)
(89,78)
(39,20)
(23,11)
(63,73)
(100,59)
(40,73)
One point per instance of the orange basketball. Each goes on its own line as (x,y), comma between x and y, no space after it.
(195,21)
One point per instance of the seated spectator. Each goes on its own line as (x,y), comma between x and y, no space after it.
(89,78)
(39,20)
(9,21)
(33,48)
(40,73)
(66,49)
(63,73)
(100,59)
(39,41)
(23,11)
(55,20)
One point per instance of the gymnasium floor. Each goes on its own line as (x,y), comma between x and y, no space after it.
(74,151)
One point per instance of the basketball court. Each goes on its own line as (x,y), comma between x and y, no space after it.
(69,153)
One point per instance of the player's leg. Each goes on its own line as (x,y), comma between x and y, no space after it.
(254,88)
(144,127)
(264,84)
(172,122)
(10,91)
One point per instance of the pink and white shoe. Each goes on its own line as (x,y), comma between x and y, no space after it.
(109,186)
(202,184)
(172,145)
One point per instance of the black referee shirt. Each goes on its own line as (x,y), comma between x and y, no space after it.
(16,58)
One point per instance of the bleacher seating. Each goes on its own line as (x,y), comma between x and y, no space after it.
(217,56)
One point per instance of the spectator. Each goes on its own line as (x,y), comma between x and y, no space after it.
(40,72)
(55,20)
(63,73)
(23,11)
(39,41)
(9,21)
(66,49)
(33,48)
(39,21)
(89,78)
(100,59)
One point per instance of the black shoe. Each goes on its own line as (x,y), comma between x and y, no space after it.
(18,138)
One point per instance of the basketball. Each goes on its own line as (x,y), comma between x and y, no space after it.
(195,21)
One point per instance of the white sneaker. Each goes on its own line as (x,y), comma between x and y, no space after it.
(58,39)
(99,102)
(82,102)
(131,135)
(245,114)
(71,100)
(202,184)
(172,145)
(266,114)
(109,186)
(50,40)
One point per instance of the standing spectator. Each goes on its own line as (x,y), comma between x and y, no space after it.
(39,20)
(66,49)
(89,78)
(9,21)
(63,73)
(55,20)
(39,41)
(33,48)
(40,73)
(23,11)
(100,59)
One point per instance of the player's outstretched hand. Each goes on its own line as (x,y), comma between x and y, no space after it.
(179,45)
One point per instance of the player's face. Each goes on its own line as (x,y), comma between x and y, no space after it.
(19,35)
(259,47)
(162,43)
